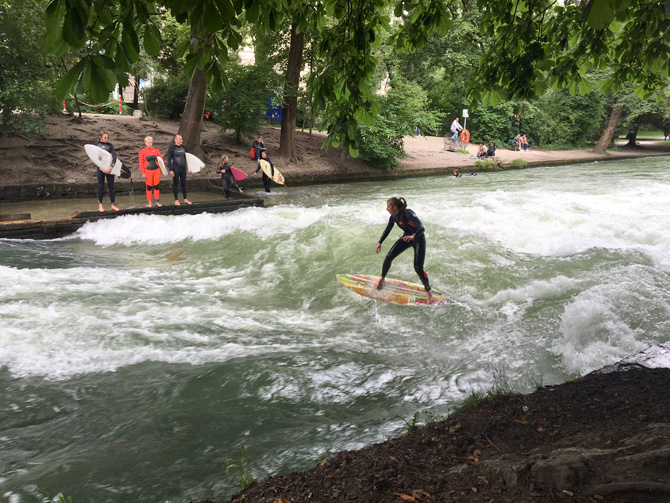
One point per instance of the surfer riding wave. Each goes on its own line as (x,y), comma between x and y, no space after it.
(413,236)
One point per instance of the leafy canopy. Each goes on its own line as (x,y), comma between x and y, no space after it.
(106,36)
(542,43)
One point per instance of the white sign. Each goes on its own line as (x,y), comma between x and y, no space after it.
(465,113)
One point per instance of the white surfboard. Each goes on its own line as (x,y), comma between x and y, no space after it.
(103,159)
(161,165)
(193,164)
(267,169)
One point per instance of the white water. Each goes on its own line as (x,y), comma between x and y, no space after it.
(553,273)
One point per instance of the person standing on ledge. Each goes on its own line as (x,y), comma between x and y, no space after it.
(150,171)
(227,178)
(103,143)
(413,236)
(266,178)
(176,165)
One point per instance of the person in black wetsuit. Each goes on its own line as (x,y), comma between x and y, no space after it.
(227,178)
(103,143)
(266,179)
(413,236)
(176,164)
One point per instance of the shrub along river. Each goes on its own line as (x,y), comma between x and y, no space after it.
(139,354)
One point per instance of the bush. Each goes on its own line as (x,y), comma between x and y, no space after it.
(24,108)
(486,164)
(242,106)
(166,97)
(381,146)
(401,112)
(519,163)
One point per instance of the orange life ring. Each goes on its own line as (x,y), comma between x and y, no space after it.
(465,136)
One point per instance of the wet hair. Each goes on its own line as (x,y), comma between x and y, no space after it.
(400,203)
(102,133)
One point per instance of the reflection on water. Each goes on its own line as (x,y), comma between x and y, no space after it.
(137,355)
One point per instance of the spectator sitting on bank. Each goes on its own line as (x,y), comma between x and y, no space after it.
(491,152)
(481,151)
(523,141)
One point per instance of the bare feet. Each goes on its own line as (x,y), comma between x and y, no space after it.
(176,202)
(158,204)
(379,283)
(187,201)
(115,207)
(149,205)
(431,298)
(100,208)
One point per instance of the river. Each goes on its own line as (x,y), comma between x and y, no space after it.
(139,354)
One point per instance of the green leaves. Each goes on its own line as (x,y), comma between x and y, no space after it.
(65,85)
(152,40)
(600,14)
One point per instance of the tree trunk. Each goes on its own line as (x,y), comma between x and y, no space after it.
(632,137)
(290,111)
(191,120)
(136,93)
(606,137)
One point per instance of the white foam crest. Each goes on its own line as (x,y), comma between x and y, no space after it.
(562,224)
(593,334)
(158,229)
(536,290)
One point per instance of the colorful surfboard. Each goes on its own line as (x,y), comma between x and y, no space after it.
(267,169)
(393,291)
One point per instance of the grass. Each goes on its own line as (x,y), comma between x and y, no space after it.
(519,163)
(242,466)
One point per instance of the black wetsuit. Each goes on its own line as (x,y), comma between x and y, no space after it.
(266,179)
(101,176)
(410,224)
(176,162)
(227,179)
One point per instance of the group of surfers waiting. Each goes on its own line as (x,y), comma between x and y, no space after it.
(175,162)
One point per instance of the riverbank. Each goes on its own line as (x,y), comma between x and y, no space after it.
(602,438)
(57,167)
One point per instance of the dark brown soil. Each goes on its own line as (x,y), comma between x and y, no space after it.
(602,438)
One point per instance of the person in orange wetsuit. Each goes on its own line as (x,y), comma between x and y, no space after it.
(151,172)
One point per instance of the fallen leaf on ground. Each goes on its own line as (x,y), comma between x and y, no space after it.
(455,428)
(405,497)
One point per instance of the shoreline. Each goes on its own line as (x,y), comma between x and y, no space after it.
(408,168)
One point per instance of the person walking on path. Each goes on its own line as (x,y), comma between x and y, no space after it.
(103,143)
(176,165)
